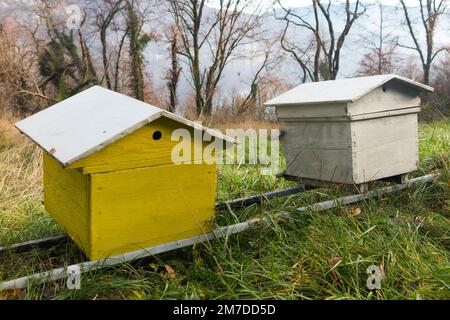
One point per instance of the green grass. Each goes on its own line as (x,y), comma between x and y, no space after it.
(307,256)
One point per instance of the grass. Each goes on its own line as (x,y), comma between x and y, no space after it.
(306,256)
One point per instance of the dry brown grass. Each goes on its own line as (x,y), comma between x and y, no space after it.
(20,166)
(8,134)
(248,124)
(20,178)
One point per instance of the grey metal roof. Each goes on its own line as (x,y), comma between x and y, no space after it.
(91,120)
(346,90)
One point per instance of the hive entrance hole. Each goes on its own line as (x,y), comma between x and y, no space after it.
(157,135)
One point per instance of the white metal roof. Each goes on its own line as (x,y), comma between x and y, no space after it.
(91,120)
(346,90)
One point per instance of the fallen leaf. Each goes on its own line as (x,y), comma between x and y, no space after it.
(333,261)
(354,212)
(169,273)
(418,219)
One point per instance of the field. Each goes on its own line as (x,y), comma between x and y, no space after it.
(307,256)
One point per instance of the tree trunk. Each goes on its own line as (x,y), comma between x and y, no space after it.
(105,56)
(175,71)
(137,75)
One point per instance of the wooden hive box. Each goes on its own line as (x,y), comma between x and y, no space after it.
(109,178)
(350,131)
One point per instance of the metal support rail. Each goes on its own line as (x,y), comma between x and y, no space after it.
(84,267)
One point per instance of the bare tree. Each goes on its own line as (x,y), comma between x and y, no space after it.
(326,48)
(88,64)
(173,74)
(381,46)
(215,32)
(20,91)
(137,43)
(104,17)
(332,51)
(301,53)
(119,54)
(430,12)
(110,21)
(253,98)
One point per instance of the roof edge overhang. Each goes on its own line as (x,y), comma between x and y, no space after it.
(104,144)
(268,104)
(411,83)
(198,126)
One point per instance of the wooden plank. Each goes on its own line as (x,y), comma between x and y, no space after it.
(137,149)
(391,96)
(320,110)
(318,150)
(132,209)
(303,134)
(385,114)
(321,164)
(66,199)
(384,147)
(61,273)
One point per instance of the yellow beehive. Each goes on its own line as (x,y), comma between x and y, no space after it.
(109,177)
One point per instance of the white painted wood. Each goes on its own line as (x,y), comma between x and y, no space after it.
(343,91)
(319,150)
(354,151)
(316,135)
(310,112)
(91,120)
(351,131)
(389,97)
(384,147)
(323,164)
(384,114)
(224,232)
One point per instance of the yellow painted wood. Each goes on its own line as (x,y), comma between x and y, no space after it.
(130,165)
(130,195)
(139,208)
(66,199)
(136,149)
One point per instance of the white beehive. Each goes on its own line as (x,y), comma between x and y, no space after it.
(350,131)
